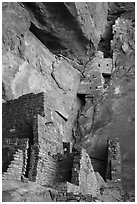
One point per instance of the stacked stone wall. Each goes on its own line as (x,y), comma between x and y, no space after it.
(18,114)
(75,170)
(14,158)
(22,119)
(47,143)
(114,161)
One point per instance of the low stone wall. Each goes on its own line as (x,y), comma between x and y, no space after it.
(14,158)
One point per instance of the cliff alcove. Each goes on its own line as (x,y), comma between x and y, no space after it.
(68,91)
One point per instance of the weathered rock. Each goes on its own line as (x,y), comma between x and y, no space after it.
(114,114)
(70,123)
(85,119)
(116,9)
(15,191)
(123,45)
(118,121)
(36,70)
(15,22)
(32,72)
(110,193)
(73,30)
(92,24)
(65,76)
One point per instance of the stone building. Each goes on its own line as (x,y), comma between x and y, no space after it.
(30,139)
(33,149)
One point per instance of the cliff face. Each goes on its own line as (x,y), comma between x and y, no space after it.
(114,114)
(63,28)
(58,48)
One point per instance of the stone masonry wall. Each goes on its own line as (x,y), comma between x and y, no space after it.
(47,142)
(18,114)
(14,158)
(24,118)
(87,177)
(49,135)
(19,123)
(75,170)
(114,161)
(46,170)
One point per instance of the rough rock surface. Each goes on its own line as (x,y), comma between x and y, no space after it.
(55,47)
(15,191)
(115,10)
(114,112)
(71,29)
(30,67)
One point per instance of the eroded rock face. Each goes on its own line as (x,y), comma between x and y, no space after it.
(87,107)
(28,67)
(72,29)
(15,191)
(114,112)
(92,24)
(116,9)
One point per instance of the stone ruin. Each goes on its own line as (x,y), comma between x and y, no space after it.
(68,90)
(95,76)
(32,150)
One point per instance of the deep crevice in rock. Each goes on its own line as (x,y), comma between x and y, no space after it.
(105,42)
(76,136)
